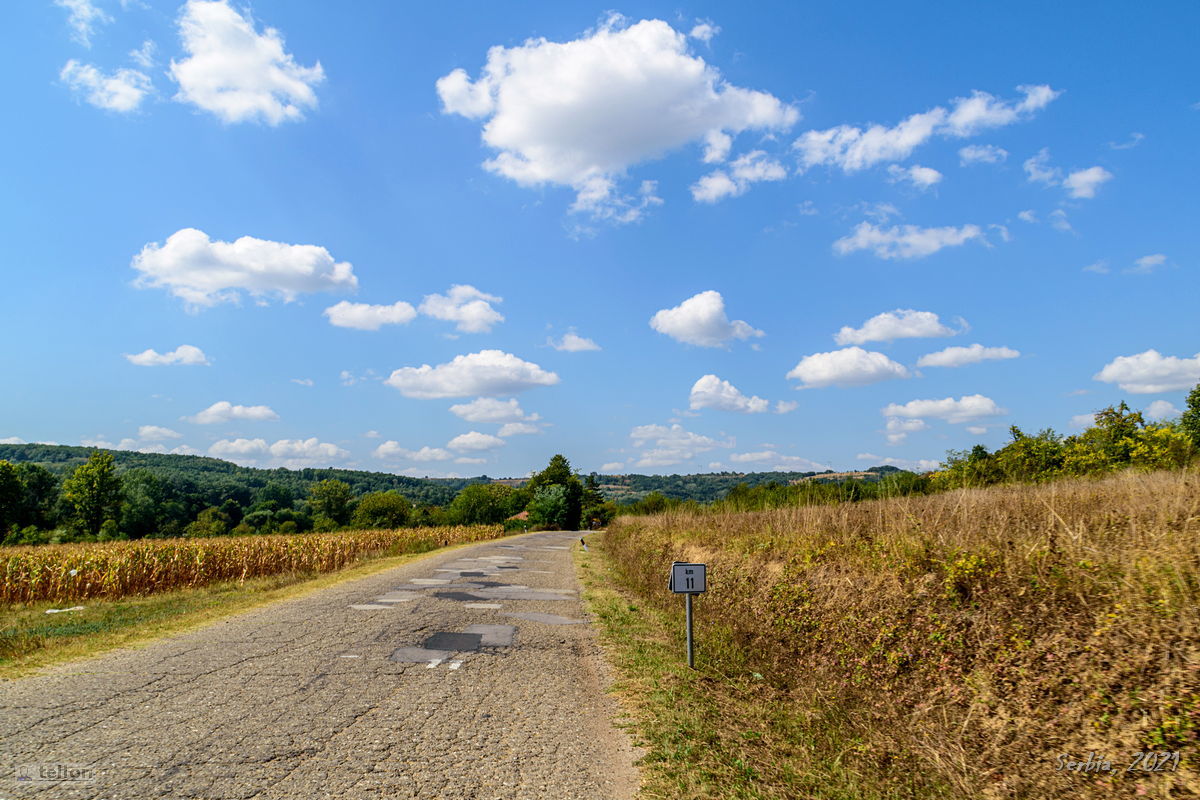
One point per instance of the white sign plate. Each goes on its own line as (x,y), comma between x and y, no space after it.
(688,578)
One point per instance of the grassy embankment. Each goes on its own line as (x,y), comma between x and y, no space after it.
(952,645)
(133,591)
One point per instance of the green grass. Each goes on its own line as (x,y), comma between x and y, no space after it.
(31,639)
(721,730)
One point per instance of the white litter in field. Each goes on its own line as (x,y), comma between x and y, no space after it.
(61,610)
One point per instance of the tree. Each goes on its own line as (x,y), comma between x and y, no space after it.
(93,492)
(12,497)
(332,499)
(1189,421)
(40,488)
(210,522)
(549,506)
(143,507)
(483,504)
(558,473)
(381,510)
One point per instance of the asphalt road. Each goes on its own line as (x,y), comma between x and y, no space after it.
(467,674)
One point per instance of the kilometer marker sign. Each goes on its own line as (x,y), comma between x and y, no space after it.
(688,579)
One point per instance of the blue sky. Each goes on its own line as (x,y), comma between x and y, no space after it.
(459,239)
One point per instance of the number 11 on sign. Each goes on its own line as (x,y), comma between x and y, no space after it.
(689,579)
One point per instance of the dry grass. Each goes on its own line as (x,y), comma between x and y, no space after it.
(125,569)
(973,635)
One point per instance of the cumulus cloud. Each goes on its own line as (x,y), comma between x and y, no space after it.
(367,317)
(237,73)
(852,149)
(1147,264)
(746,170)
(1059,221)
(517,429)
(83,16)
(224,411)
(156,433)
(121,91)
(1151,372)
(981,154)
(918,176)
(712,392)
(903,323)
(1028,215)
(285,452)
(1160,410)
(392,451)
(611,466)
(475,442)
(144,55)
(1081,421)
(701,320)
(573,343)
(470,309)
(1079,184)
(961,356)
(786,406)
(185,354)
(581,113)
(488,373)
(898,429)
(704,31)
(489,409)
(904,241)
(965,409)
(12,440)
(670,445)
(778,461)
(203,272)
(850,366)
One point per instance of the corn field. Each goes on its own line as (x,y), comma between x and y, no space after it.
(148,566)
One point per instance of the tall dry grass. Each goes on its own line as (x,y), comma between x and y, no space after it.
(120,569)
(976,634)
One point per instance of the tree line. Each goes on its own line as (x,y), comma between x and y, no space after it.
(96,501)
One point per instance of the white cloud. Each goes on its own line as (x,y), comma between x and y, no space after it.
(918,176)
(366,317)
(155,433)
(670,445)
(1151,372)
(786,406)
(1079,184)
(1147,264)
(466,306)
(302,381)
(850,366)
(488,409)
(235,72)
(701,320)
(778,462)
(392,451)
(1081,421)
(1161,409)
(852,149)
(121,91)
(83,17)
(965,409)
(305,452)
(913,465)
(961,356)
(1135,139)
(582,113)
(203,273)
(1083,183)
(1059,221)
(746,170)
(244,449)
(704,31)
(475,442)
(488,373)
(144,55)
(12,440)
(517,429)
(1099,267)
(712,392)
(573,343)
(224,411)
(904,241)
(981,154)
(611,466)
(978,430)
(469,460)
(184,354)
(898,429)
(716,147)
(1027,215)
(903,323)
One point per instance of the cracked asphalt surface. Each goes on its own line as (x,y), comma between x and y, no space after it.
(373,688)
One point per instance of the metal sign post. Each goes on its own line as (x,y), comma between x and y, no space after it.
(688,579)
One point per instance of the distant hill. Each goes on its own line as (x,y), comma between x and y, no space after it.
(706,487)
(218,480)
